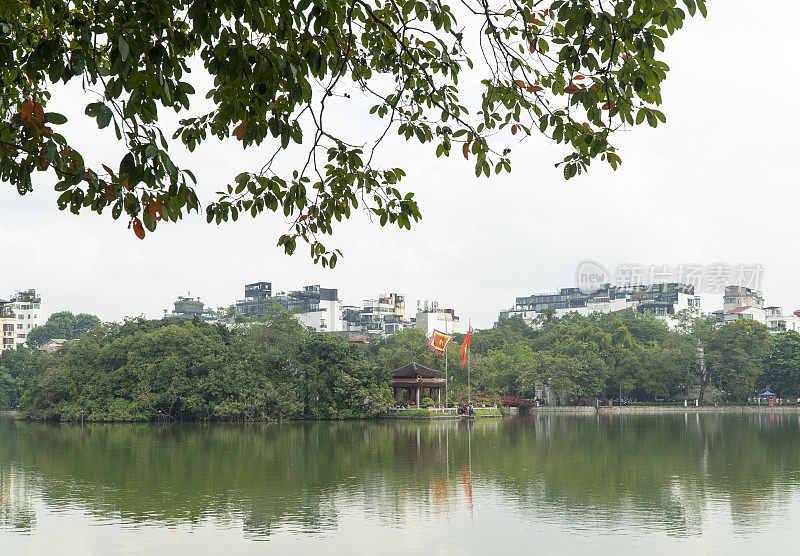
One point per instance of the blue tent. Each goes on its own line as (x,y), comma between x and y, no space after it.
(767,394)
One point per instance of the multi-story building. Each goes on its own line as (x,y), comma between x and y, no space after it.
(315,307)
(739,296)
(257,299)
(777,322)
(431,317)
(189,308)
(8,326)
(27,306)
(740,302)
(661,300)
(381,316)
(758,314)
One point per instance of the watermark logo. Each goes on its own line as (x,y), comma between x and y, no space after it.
(591,276)
(711,278)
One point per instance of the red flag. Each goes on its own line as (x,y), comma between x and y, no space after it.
(465,347)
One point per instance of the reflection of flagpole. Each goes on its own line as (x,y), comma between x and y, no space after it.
(466,474)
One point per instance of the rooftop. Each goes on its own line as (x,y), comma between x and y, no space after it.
(413,370)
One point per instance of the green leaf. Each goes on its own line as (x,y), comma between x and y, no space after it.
(54,118)
(124,49)
(104,115)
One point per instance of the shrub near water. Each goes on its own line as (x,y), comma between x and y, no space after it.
(174,369)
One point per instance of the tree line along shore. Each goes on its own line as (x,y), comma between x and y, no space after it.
(274,368)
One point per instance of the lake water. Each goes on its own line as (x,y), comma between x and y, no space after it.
(688,484)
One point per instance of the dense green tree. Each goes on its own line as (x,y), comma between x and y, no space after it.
(175,369)
(574,70)
(782,367)
(8,388)
(338,382)
(506,367)
(736,354)
(17,366)
(63,325)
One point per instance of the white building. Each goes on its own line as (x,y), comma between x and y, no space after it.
(55,344)
(661,300)
(433,318)
(377,317)
(758,314)
(8,326)
(778,322)
(28,308)
(326,318)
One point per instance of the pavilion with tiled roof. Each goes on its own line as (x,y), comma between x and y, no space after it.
(414,378)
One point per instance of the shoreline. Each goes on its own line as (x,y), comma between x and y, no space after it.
(541,410)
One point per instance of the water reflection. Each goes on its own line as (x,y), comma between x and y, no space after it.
(664,474)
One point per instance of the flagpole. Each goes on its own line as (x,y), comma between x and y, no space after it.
(469,347)
(445,374)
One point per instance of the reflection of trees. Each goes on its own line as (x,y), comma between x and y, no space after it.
(655,472)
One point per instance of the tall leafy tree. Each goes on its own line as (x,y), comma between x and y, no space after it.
(63,325)
(782,367)
(736,354)
(575,71)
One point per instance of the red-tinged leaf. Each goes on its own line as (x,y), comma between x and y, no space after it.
(520,83)
(38,111)
(138,229)
(513,130)
(609,105)
(534,88)
(27,110)
(241,130)
(465,150)
(578,77)
(572,89)
(533,48)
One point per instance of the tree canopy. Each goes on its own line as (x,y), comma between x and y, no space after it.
(64,325)
(273,369)
(472,78)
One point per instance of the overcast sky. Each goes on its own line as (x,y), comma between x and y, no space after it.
(716,183)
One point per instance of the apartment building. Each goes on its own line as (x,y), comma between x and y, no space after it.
(8,326)
(27,306)
(662,300)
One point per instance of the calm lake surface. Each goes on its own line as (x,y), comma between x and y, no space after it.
(697,484)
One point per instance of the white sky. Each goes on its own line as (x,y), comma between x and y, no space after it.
(714,184)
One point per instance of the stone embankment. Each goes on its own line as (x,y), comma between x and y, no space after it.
(701,409)
(648,409)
